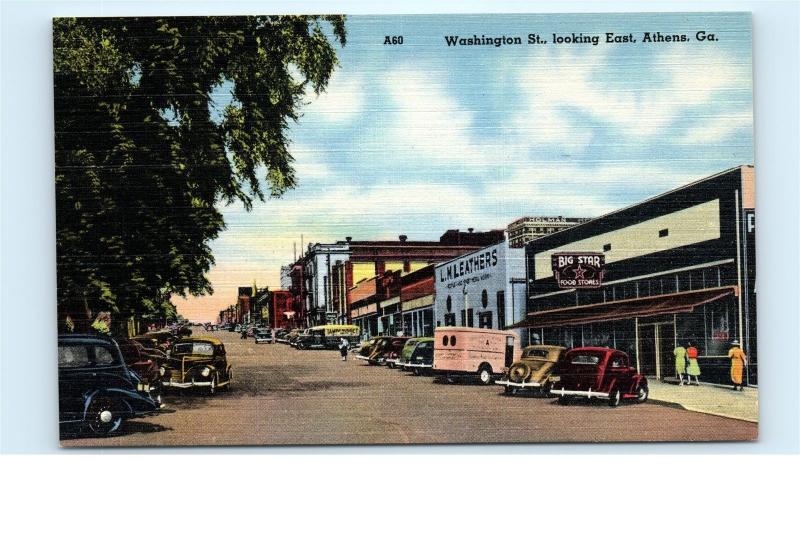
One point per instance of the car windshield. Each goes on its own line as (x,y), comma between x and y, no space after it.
(199,349)
(75,356)
(584,359)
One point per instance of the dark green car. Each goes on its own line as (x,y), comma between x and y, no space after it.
(417,355)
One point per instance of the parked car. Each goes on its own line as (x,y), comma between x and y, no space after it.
(533,369)
(366,347)
(405,354)
(392,350)
(150,344)
(164,339)
(198,362)
(294,336)
(237,328)
(417,356)
(597,372)
(467,351)
(96,390)
(327,336)
(280,335)
(146,364)
(263,335)
(385,349)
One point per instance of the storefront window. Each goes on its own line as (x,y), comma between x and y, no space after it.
(485,320)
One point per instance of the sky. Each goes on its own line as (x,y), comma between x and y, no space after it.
(422,137)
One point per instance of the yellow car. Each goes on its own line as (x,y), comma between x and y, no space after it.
(533,369)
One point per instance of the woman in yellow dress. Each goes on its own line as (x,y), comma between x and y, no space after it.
(738,363)
(680,362)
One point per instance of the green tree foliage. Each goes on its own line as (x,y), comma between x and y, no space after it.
(158,122)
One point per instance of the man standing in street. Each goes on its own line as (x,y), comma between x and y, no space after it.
(344,345)
(738,364)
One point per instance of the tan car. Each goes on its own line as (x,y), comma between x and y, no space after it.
(533,369)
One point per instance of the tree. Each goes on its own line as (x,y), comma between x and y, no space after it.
(158,121)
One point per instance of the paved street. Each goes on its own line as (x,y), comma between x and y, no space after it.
(283,396)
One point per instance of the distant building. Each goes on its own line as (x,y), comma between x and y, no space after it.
(529,228)
(368,259)
(286,277)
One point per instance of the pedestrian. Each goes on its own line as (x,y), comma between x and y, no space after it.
(693,370)
(680,362)
(738,363)
(344,345)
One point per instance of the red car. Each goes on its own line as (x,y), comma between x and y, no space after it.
(146,363)
(596,372)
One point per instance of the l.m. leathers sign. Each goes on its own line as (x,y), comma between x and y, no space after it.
(578,270)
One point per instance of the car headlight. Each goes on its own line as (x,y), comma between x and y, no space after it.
(162,371)
(206,371)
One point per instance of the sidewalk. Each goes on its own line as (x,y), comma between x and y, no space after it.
(709,399)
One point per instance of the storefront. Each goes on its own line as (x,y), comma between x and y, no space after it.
(416,297)
(677,269)
(484,288)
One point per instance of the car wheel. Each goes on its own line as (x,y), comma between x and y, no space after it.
(104,416)
(615,398)
(546,389)
(417,372)
(485,374)
(511,390)
(642,393)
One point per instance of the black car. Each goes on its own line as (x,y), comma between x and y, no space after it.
(420,360)
(96,390)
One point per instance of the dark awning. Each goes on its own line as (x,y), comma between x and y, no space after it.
(627,308)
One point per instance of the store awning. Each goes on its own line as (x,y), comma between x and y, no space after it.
(627,308)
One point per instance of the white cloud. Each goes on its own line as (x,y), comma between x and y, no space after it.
(426,122)
(342,99)
(561,80)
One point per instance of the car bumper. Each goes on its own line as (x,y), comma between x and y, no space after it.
(520,385)
(561,392)
(416,366)
(192,384)
(363,358)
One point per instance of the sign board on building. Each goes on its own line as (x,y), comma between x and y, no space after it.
(578,270)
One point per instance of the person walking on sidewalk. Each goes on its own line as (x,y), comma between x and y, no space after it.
(680,362)
(694,369)
(738,363)
(344,346)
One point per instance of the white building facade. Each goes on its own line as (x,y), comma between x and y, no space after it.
(483,289)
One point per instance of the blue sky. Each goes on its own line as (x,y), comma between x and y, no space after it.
(418,138)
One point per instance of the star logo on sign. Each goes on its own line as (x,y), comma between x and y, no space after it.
(580,272)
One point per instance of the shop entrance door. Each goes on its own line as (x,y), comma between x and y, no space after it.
(647,350)
(656,343)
